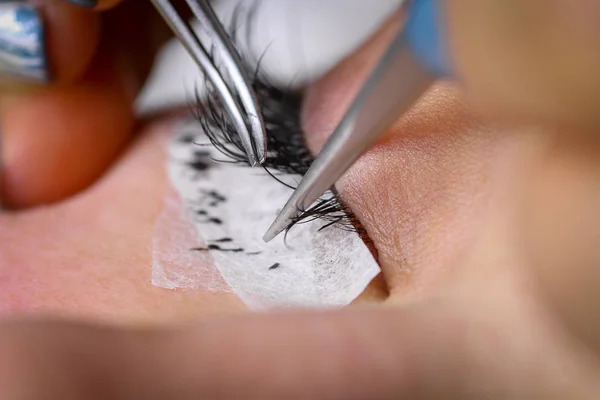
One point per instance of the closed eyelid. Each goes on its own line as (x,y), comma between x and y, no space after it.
(420,193)
(421,190)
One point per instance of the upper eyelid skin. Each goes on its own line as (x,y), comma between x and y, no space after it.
(410,190)
(422,193)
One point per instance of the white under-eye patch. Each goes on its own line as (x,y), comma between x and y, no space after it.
(230,207)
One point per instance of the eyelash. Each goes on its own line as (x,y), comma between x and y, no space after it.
(287,152)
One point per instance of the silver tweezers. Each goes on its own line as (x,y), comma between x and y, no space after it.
(244,113)
(395,84)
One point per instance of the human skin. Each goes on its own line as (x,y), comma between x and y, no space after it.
(459,209)
(90,256)
(541,66)
(76,127)
(471,321)
(448,187)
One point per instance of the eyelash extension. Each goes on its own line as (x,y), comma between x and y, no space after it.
(287,152)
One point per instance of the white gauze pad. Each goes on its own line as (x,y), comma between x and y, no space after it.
(232,207)
(174,266)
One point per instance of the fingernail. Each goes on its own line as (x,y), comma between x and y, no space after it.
(22,43)
(84,3)
(1,174)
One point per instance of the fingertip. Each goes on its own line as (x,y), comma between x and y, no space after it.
(57,142)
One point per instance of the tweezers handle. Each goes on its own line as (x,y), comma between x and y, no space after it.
(252,137)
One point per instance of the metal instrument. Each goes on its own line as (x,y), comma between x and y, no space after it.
(412,62)
(236,92)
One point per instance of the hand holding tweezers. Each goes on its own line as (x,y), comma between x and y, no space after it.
(412,62)
(240,100)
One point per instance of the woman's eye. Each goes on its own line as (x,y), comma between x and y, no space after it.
(320,261)
(287,158)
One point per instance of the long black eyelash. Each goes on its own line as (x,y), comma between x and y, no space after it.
(287,152)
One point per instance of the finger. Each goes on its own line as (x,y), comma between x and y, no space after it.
(427,352)
(45,41)
(68,44)
(58,139)
(265,357)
